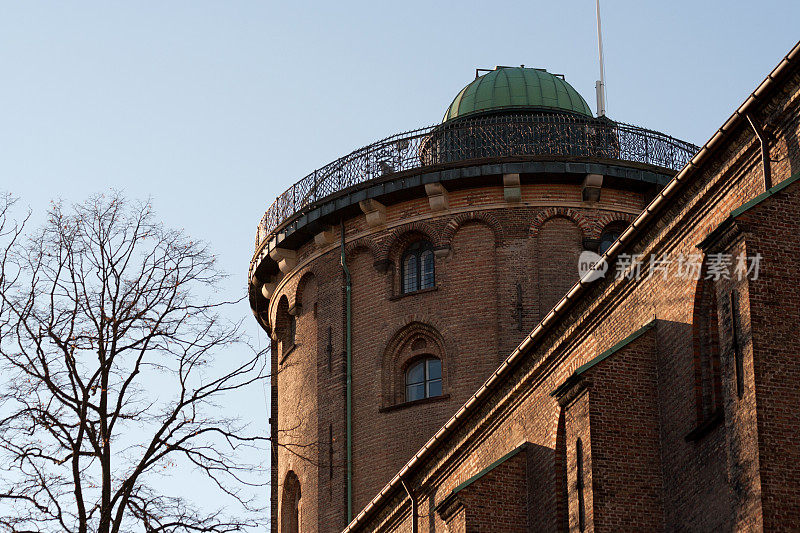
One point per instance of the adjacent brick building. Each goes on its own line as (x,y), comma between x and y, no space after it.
(396,281)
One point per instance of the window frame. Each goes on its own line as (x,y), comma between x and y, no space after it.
(415,252)
(426,379)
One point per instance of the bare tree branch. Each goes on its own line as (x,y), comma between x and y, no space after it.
(110,342)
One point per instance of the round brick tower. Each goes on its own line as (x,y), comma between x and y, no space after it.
(394,280)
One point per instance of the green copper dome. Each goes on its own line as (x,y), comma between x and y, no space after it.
(517,88)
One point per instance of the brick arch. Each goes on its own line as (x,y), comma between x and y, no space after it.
(609,218)
(291,494)
(278,319)
(404,235)
(486,219)
(363,244)
(555,255)
(563,212)
(307,277)
(399,352)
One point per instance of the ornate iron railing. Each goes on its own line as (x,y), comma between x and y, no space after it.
(486,137)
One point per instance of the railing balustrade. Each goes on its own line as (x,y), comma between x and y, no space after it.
(485,137)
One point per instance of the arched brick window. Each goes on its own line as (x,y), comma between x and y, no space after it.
(417,268)
(415,366)
(423,379)
(290,505)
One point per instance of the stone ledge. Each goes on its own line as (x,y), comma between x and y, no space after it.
(405,405)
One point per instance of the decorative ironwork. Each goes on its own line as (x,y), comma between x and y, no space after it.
(495,136)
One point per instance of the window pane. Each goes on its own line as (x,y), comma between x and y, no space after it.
(427,278)
(410,273)
(415,392)
(416,374)
(434,369)
(434,388)
(607,239)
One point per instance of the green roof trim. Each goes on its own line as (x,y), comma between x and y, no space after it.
(602,357)
(508,88)
(764,195)
(480,474)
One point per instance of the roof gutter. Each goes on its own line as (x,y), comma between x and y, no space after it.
(645,217)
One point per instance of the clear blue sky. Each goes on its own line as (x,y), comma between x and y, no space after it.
(213,108)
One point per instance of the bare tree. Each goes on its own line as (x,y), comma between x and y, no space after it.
(110,337)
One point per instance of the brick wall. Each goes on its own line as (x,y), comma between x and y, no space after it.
(642,434)
(476,310)
(627,490)
(495,502)
(773,230)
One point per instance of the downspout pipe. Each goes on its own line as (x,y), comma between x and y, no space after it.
(414,506)
(764,151)
(348,288)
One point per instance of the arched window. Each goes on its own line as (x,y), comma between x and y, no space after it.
(610,234)
(290,509)
(417,270)
(424,379)
(404,371)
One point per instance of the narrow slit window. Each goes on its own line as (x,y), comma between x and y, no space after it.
(737,351)
(580,482)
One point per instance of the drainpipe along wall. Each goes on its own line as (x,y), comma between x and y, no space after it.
(762,138)
(348,287)
(414,505)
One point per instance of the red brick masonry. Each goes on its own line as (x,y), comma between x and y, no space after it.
(691,424)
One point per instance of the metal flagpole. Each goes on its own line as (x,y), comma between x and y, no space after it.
(600,86)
